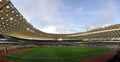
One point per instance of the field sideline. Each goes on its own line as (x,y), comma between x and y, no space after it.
(56,54)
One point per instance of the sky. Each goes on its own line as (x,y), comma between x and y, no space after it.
(69,16)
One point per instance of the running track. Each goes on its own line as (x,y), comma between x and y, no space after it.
(101,58)
(10,51)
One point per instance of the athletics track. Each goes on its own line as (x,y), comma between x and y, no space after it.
(101,58)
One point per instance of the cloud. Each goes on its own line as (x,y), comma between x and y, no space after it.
(49,29)
(71,31)
(103,15)
(79,10)
(54,16)
(106,13)
(106,25)
(42,13)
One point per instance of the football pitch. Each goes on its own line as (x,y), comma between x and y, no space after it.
(56,54)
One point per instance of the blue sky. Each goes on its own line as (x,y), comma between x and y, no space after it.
(69,16)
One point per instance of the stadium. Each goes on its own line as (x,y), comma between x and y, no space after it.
(21,42)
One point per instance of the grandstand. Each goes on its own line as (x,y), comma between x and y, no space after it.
(16,32)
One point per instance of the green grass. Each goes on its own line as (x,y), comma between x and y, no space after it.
(56,54)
